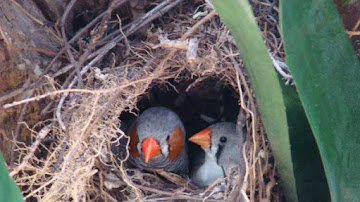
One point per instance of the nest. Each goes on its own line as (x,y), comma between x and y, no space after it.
(80,153)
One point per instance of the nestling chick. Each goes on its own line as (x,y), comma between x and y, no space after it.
(221,145)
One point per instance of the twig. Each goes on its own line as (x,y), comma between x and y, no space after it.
(41,187)
(53,93)
(161,66)
(15,92)
(213,184)
(63,70)
(82,31)
(27,13)
(34,19)
(198,24)
(64,144)
(45,110)
(123,171)
(174,195)
(37,98)
(269,186)
(242,101)
(243,188)
(49,53)
(88,127)
(61,102)
(66,43)
(155,13)
(17,130)
(353,32)
(242,104)
(80,139)
(62,151)
(41,135)
(124,35)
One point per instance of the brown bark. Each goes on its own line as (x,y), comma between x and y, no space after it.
(20,64)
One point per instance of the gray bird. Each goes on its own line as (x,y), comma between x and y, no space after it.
(221,145)
(158,140)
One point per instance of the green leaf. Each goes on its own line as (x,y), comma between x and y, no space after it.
(327,75)
(290,136)
(8,189)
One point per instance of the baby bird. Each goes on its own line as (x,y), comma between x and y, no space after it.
(157,140)
(221,145)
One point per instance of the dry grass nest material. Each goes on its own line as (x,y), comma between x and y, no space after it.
(77,163)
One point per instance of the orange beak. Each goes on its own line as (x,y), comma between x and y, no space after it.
(202,138)
(150,148)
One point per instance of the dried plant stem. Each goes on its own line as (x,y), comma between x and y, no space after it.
(75,147)
(243,106)
(85,91)
(42,134)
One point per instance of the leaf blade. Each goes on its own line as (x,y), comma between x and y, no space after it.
(283,126)
(326,71)
(9,191)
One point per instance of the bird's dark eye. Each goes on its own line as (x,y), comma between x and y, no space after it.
(223,139)
(167,138)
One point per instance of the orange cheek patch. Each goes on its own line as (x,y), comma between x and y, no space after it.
(134,140)
(176,143)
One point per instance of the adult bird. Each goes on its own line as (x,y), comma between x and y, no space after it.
(222,147)
(158,140)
